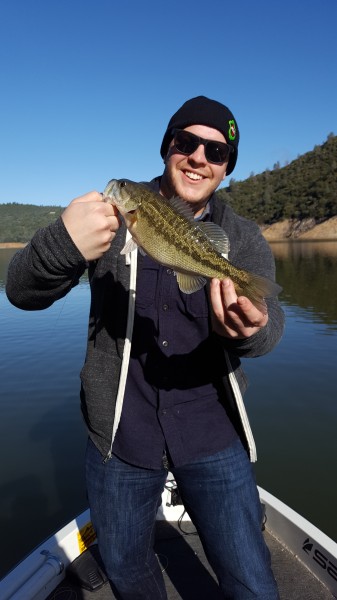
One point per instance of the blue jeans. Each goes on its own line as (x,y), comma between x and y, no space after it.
(220,495)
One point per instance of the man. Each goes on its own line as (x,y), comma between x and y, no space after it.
(172,398)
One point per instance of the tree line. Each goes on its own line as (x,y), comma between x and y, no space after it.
(19,222)
(305,188)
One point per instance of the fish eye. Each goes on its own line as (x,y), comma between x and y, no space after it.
(123,184)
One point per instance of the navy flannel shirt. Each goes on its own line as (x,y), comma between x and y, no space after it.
(174,400)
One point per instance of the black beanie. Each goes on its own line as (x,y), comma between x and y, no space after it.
(203,111)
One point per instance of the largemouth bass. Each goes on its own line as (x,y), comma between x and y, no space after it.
(167,231)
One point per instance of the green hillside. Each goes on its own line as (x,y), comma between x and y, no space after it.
(307,187)
(18,222)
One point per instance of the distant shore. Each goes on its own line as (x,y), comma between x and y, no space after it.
(283,231)
(301,230)
(12,245)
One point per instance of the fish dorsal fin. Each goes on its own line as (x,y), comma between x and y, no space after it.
(190,283)
(217,236)
(215,233)
(181,207)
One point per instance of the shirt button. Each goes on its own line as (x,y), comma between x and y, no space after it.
(165,306)
(165,343)
(169,271)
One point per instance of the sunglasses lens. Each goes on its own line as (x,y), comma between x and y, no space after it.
(187,143)
(216,152)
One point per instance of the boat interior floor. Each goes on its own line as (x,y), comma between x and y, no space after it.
(186,571)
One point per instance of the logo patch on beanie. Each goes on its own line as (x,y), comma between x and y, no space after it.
(232,129)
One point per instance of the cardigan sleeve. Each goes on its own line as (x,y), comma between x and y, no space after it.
(250,251)
(45,270)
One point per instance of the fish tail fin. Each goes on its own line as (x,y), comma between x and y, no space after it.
(257,288)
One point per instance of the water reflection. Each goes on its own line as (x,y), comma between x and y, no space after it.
(40,411)
(5,256)
(289,250)
(307,272)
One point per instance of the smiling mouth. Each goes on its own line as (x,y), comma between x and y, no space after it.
(193,176)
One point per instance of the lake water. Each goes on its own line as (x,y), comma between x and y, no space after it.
(291,402)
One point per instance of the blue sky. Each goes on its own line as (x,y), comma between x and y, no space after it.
(88,86)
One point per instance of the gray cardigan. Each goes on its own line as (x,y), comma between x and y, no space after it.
(50,265)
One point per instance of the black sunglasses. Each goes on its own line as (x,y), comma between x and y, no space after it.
(187,143)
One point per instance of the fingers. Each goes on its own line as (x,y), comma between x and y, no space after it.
(253,314)
(113,222)
(89,197)
(228,292)
(233,316)
(92,224)
(223,295)
(93,196)
(216,300)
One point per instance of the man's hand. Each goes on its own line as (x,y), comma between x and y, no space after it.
(234,317)
(91,224)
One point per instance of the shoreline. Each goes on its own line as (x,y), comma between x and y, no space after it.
(270,240)
(4,245)
(283,231)
(304,230)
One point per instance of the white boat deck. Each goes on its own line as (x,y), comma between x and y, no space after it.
(188,576)
(304,561)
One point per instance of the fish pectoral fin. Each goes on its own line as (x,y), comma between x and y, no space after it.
(217,237)
(130,246)
(190,283)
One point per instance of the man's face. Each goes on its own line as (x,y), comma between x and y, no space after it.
(192,177)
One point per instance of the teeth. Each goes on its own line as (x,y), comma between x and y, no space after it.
(193,175)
